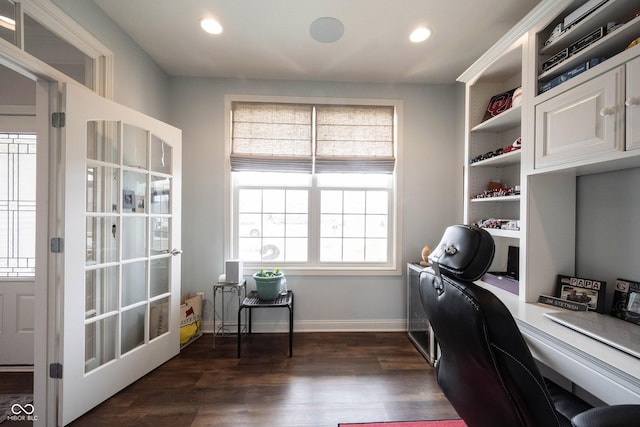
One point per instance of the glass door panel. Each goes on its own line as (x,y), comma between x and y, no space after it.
(134,283)
(99,344)
(133,325)
(159,235)
(159,318)
(159,277)
(102,141)
(134,143)
(134,192)
(101,240)
(161,155)
(160,195)
(134,237)
(101,291)
(102,188)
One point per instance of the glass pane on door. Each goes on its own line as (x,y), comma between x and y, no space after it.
(161,155)
(133,323)
(134,144)
(102,141)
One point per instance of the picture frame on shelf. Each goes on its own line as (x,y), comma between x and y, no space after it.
(581,290)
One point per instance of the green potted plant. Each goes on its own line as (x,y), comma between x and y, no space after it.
(268,283)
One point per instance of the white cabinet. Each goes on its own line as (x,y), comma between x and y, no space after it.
(632,104)
(581,123)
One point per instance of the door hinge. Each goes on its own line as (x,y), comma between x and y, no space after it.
(57,120)
(55,370)
(57,245)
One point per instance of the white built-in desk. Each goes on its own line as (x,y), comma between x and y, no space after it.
(609,374)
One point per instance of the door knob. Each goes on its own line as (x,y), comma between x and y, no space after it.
(175,251)
(608,111)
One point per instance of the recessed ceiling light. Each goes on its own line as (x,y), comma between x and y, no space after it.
(420,34)
(211,26)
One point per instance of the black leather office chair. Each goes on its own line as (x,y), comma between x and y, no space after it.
(486,369)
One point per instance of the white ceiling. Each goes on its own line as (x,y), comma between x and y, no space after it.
(270,39)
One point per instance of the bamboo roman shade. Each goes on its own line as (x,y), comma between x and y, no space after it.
(354,139)
(271,137)
(279,138)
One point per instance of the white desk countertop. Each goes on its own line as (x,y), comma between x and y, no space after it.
(609,374)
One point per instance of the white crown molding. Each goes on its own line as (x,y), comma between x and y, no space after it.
(515,36)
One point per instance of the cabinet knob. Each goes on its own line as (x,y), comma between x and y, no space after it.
(608,111)
(632,101)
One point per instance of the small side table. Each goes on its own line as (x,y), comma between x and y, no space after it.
(252,301)
(240,290)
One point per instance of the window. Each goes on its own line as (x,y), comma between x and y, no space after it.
(313,185)
(17,204)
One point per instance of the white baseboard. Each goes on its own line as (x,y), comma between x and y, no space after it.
(388,325)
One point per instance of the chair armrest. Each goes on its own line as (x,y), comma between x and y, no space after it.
(608,416)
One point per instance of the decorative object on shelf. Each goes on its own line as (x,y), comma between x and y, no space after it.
(585,41)
(495,189)
(268,283)
(582,12)
(584,291)
(626,301)
(557,32)
(501,224)
(569,74)
(499,104)
(516,100)
(426,251)
(562,303)
(517,144)
(555,59)
(634,43)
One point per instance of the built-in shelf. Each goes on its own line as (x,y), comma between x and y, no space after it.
(506,120)
(606,47)
(515,198)
(498,232)
(510,158)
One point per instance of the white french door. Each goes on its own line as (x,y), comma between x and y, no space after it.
(121,225)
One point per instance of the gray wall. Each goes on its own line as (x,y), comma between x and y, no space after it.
(139,83)
(432,174)
(431,200)
(608,227)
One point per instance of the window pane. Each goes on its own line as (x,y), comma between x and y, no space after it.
(134,282)
(101,240)
(133,323)
(268,220)
(376,250)
(8,21)
(160,195)
(160,155)
(355,225)
(102,189)
(331,201)
(354,202)
(56,52)
(101,287)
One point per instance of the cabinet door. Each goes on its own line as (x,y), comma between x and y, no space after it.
(582,123)
(632,103)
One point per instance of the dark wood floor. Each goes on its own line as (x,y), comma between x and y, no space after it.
(332,378)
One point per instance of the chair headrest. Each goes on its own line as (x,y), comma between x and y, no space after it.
(465,252)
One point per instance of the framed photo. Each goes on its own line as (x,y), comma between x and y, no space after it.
(626,301)
(585,291)
(139,204)
(128,199)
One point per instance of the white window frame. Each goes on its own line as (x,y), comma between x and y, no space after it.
(395,213)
